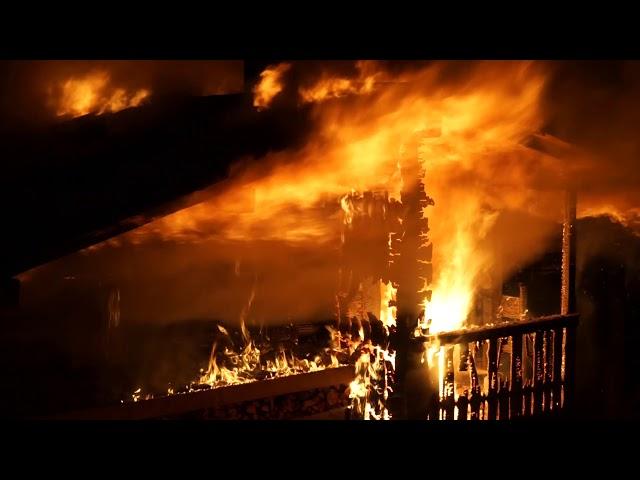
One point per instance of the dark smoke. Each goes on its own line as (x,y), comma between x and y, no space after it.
(596,106)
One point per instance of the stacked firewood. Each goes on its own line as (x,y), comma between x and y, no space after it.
(283,407)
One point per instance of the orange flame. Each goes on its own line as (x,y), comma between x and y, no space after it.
(629,217)
(269,86)
(331,87)
(94,94)
(475,166)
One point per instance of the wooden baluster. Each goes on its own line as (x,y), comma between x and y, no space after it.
(434,407)
(557,369)
(516,376)
(475,397)
(448,390)
(527,392)
(538,372)
(548,369)
(463,405)
(503,397)
(569,368)
(492,397)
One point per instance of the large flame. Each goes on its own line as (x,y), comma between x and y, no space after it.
(94,93)
(269,86)
(474,164)
(333,87)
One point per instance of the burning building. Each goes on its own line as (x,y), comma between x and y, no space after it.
(336,240)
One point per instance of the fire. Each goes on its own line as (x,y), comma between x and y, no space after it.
(475,165)
(94,93)
(331,87)
(269,86)
(472,155)
(387,309)
(629,217)
(249,365)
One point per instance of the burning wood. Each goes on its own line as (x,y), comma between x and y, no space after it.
(249,396)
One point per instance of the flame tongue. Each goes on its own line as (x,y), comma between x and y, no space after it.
(94,93)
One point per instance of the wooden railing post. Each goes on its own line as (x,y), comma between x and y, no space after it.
(516,376)
(548,387)
(492,397)
(569,369)
(538,372)
(448,387)
(548,369)
(558,334)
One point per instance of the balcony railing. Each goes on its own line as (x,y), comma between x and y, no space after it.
(506,371)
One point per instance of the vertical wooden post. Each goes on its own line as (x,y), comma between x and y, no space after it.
(568,293)
(538,373)
(516,376)
(568,297)
(569,369)
(448,387)
(503,400)
(492,397)
(557,368)
(475,399)
(548,369)
(463,406)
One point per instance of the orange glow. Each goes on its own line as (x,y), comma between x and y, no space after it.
(629,217)
(269,86)
(94,93)
(472,155)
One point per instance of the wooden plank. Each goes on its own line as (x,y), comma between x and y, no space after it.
(183,403)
